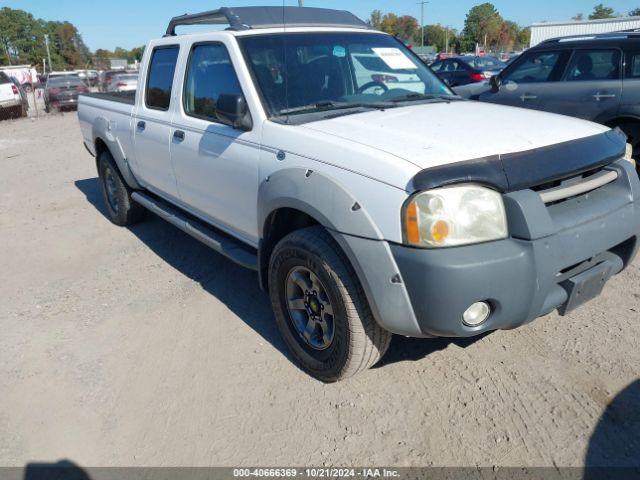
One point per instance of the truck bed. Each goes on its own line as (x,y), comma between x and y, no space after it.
(128,98)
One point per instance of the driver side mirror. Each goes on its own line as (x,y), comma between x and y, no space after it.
(496,83)
(232,110)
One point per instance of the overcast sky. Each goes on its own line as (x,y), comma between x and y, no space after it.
(131,23)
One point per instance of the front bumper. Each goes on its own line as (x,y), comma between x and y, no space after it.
(526,276)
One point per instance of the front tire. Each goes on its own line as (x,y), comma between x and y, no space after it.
(320,307)
(121,208)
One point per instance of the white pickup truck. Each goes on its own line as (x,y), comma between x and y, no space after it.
(366,207)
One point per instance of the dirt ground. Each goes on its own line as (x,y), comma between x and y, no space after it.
(132,347)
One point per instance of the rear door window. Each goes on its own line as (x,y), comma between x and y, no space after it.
(160,79)
(4,78)
(586,65)
(536,67)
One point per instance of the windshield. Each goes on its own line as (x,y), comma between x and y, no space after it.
(297,72)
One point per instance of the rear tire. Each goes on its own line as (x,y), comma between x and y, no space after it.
(309,273)
(121,208)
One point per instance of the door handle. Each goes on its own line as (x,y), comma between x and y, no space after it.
(178,135)
(142,125)
(603,96)
(527,96)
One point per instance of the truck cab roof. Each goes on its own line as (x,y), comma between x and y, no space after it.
(251,18)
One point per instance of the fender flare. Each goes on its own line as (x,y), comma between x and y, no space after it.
(329,203)
(317,195)
(102,130)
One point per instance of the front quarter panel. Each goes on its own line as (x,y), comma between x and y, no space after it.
(343,173)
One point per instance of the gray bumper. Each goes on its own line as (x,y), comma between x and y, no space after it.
(523,277)
(10,103)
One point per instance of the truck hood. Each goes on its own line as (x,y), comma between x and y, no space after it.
(431,135)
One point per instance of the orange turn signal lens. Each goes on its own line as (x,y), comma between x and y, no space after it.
(412,227)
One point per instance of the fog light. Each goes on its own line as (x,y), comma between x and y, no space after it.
(476,314)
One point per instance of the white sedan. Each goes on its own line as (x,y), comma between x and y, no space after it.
(124,83)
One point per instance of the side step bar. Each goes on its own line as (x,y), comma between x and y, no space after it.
(222,243)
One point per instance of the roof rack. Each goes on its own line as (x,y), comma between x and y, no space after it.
(247,18)
(605,35)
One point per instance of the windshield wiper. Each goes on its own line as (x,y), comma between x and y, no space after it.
(331,105)
(411,97)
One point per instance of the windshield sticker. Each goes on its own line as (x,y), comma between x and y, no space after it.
(395,59)
(339,51)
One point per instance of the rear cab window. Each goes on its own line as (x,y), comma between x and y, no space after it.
(162,69)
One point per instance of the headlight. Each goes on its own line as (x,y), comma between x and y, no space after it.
(453,216)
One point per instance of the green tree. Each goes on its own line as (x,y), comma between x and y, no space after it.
(635,12)
(407,28)
(101,59)
(22,41)
(508,35)
(436,36)
(135,54)
(389,23)
(524,39)
(483,24)
(21,37)
(376,19)
(600,11)
(70,47)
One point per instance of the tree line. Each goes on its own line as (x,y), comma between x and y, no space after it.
(483,26)
(600,12)
(22,36)
(22,41)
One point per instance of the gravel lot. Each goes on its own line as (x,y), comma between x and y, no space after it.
(123,347)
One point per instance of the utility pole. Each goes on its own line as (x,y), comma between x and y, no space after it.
(447,41)
(46,42)
(422,4)
(301,3)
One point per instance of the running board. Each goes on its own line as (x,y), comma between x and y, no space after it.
(222,243)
